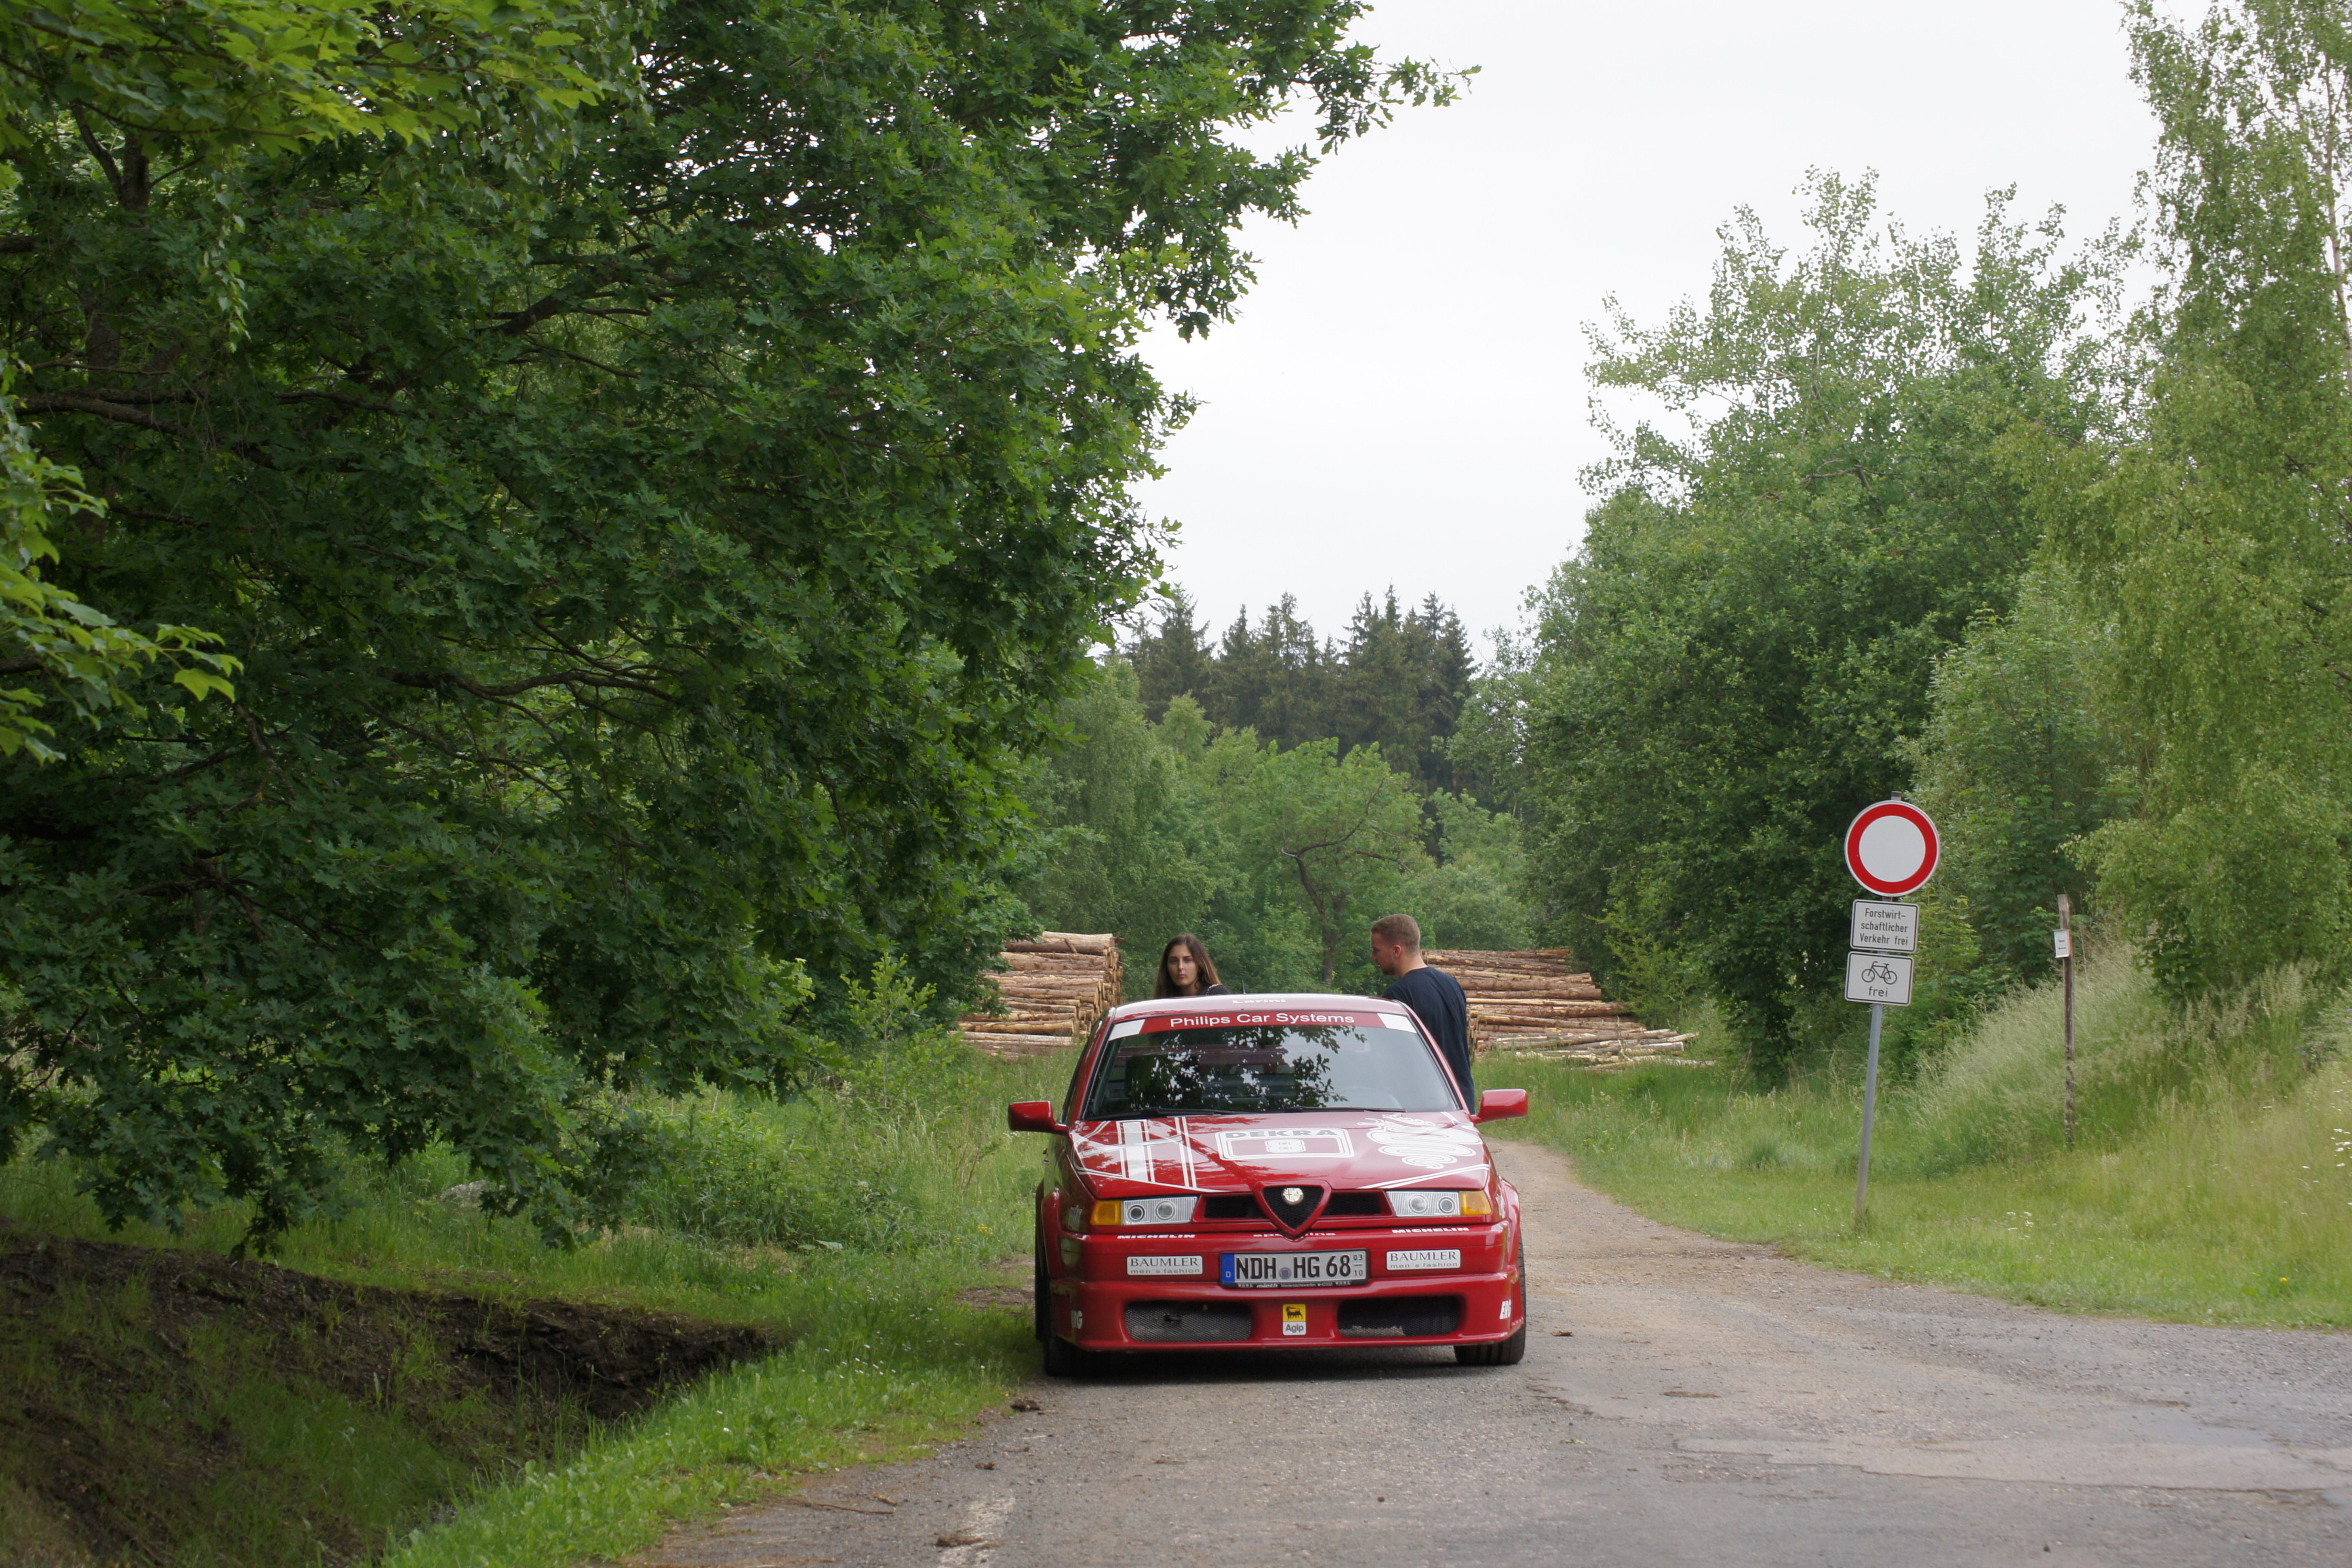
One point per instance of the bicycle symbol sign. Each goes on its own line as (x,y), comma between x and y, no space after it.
(1882,977)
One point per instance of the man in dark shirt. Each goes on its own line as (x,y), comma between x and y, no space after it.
(1434,996)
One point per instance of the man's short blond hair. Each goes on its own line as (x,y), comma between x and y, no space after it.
(1401,929)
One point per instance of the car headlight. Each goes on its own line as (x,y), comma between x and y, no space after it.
(1440,1204)
(1147,1212)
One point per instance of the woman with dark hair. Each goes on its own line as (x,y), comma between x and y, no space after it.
(1186,970)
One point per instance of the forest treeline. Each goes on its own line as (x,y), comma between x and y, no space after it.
(1399,681)
(1890,512)
(1274,794)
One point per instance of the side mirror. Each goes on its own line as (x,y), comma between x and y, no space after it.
(1495,1104)
(1038,1116)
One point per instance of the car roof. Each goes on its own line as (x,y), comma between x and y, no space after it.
(1259,1001)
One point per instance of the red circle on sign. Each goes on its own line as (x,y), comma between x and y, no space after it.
(1892,848)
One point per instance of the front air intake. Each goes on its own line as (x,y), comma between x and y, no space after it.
(1399,1317)
(1187,1323)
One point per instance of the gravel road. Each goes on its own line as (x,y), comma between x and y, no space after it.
(1683,1401)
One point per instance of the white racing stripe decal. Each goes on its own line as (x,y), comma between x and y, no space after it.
(1448,1177)
(1136,1146)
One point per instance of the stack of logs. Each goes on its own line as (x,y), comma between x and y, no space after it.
(1534,1003)
(1056,989)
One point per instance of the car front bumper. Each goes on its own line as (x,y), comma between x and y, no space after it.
(1098,1306)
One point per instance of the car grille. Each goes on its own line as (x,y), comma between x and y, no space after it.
(1343,1205)
(1398,1317)
(1190,1322)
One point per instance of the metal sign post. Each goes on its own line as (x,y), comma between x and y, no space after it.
(1891,848)
(1884,980)
(1869,1117)
(2064,938)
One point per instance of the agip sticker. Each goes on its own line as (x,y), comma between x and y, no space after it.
(1293,1320)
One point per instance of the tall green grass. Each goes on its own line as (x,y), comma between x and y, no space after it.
(2210,1179)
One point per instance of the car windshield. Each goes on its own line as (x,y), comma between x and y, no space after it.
(1269,1068)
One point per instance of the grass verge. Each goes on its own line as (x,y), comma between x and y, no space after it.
(842,1227)
(2211,1182)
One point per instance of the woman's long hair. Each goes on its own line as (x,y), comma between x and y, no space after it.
(1204,970)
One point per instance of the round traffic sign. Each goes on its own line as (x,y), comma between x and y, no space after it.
(1892,848)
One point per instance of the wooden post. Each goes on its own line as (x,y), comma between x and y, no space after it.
(2066,968)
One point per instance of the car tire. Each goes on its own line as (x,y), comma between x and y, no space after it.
(1040,1293)
(1061,1358)
(1502,1353)
(1505,1353)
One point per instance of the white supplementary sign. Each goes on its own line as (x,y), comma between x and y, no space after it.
(1885,927)
(2063,941)
(1882,977)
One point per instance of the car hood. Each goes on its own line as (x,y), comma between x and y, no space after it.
(1346,1151)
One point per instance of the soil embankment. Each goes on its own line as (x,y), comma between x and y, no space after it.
(163,1405)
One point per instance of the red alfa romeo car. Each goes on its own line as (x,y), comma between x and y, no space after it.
(1264,1171)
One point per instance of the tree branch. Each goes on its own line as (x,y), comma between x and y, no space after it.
(447,682)
(87,402)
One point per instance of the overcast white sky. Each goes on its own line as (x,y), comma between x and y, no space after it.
(1403,400)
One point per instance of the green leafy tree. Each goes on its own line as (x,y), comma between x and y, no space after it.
(1128,848)
(2213,542)
(1733,662)
(2015,767)
(1346,829)
(1469,897)
(652,532)
(70,654)
(202,85)
(1489,743)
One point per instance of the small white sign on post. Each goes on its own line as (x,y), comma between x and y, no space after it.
(1881,978)
(2063,941)
(1885,927)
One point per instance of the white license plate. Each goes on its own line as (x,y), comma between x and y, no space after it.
(1427,1258)
(1164,1264)
(1260,1269)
